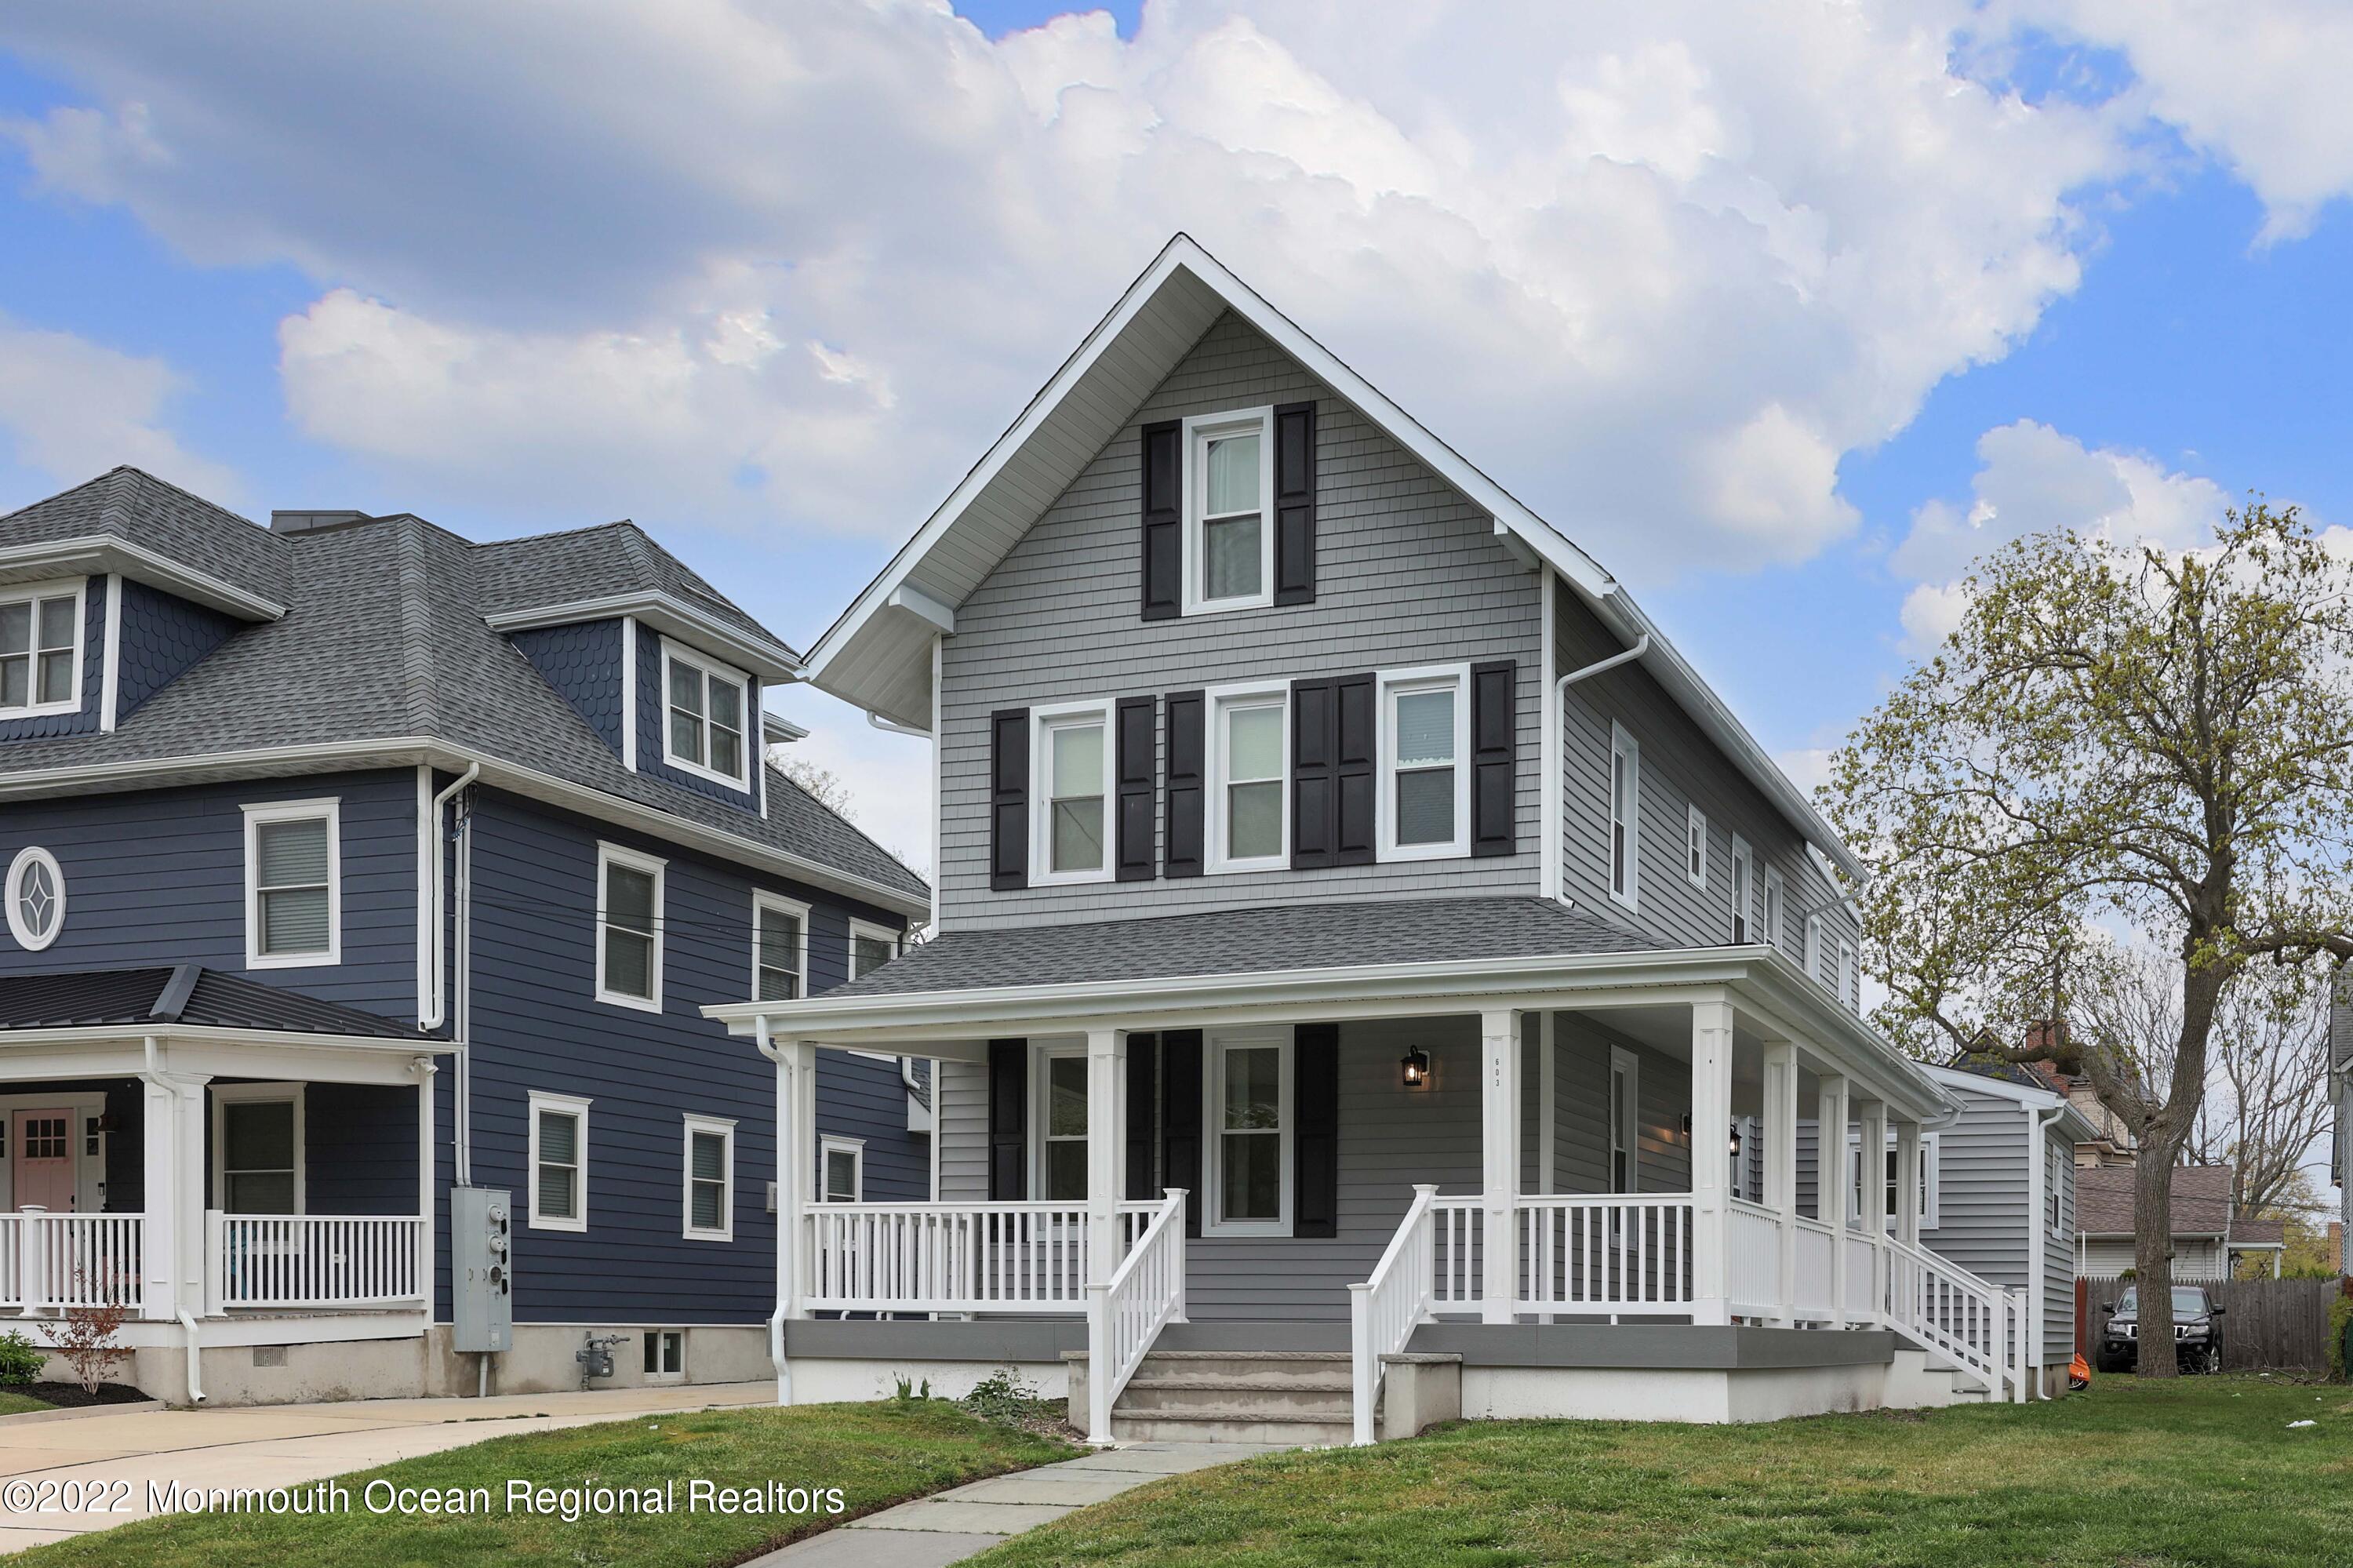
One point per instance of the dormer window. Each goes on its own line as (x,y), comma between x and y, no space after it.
(1229,539)
(40,649)
(704,702)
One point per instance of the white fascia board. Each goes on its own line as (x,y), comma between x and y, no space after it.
(1961,1081)
(95,555)
(409,751)
(923,606)
(663,613)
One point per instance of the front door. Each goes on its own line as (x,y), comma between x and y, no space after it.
(41,1160)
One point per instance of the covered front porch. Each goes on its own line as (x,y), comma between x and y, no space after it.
(1386,1151)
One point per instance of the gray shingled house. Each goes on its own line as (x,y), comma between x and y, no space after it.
(1373,975)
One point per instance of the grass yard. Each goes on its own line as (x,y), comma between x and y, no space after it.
(2201,1470)
(876,1454)
(14,1403)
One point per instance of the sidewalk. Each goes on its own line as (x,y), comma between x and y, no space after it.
(950,1525)
(286,1444)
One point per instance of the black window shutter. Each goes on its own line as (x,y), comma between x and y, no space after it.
(1008,1120)
(1138,766)
(1494,741)
(1355,770)
(1184,834)
(1008,799)
(1164,524)
(1314,809)
(1142,1116)
(1315,1139)
(1180,1119)
(1295,504)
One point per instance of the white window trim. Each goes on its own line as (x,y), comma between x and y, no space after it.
(712,670)
(1196,485)
(1695,836)
(676,1373)
(1215,700)
(725,1126)
(1041,1107)
(762,903)
(1814,949)
(828,1146)
(1930,1199)
(26,939)
(570,1105)
(268,812)
(248,1093)
(2057,1161)
(897,942)
(1390,685)
(28,593)
(1043,721)
(1627,1109)
(614,855)
(1848,983)
(1621,743)
(1776,901)
(1215,1046)
(1740,885)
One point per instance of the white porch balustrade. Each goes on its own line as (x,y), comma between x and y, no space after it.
(52,1261)
(1125,1314)
(1022,1258)
(310,1261)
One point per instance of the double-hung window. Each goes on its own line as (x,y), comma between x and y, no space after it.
(257,1148)
(707,706)
(1743,878)
(1926,1196)
(1625,1119)
(1248,1104)
(2055,1165)
(1625,848)
(1814,949)
(294,865)
(841,1169)
(1229,533)
(871,946)
(710,1178)
(40,649)
(1061,1112)
(1849,988)
(1250,769)
(779,949)
(1696,847)
(1768,927)
(1425,733)
(628,928)
(559,1162)
(1072,789)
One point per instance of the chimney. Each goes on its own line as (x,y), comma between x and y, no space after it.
(312,522)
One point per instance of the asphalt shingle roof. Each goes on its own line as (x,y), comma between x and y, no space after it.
(132,504)
(384,639)
(2201,1200)
(187,994)
(1247,941)
(596,563)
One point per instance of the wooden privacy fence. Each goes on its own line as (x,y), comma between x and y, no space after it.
(2267,1324)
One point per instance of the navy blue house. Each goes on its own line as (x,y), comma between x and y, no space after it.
(348,862)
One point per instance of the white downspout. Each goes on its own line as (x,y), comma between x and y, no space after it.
(437,995)
(2039,1161)
(788,1222)
(461,1141)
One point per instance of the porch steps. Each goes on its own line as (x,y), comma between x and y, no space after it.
(1918,1378)
(1299,1397)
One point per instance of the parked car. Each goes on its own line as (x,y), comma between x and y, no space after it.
(2197,1330)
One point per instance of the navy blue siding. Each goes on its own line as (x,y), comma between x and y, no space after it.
(583,663)
(359,1146)
(126,1147)
(158,877)
(651,718)
(860,1096)
(84,719)
(160,636)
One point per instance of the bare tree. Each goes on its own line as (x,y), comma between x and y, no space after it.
(820,784)
(2267,1095)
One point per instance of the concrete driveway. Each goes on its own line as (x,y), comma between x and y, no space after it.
(286,1444)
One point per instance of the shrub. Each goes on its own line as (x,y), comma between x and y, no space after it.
(20,1359)
(90,1340)
(2341,1315)
(1002,1396)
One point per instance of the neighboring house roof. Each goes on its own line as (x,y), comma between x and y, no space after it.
(187,995)
(2027,1075)
(877,655)
(1246,941)
(2104,1201)
(1973,1072)
(2246,1230)
(384,647)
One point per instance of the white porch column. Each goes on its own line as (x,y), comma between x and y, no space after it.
(181,1192)
(1829,1182)
(1106,1145)
(1908,1181)
(1711,1177)
(1871,1157)
(796,1147)
(168,1220)
(1781,1167)
(1499,1046)
(424,1069)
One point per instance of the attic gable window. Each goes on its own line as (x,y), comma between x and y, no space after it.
(1229,537)
(40,649)
(704,704)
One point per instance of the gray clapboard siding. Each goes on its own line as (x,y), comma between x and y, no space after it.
(960,1121)
(1409,573)
(2059,1264)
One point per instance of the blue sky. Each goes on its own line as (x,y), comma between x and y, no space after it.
(773,317)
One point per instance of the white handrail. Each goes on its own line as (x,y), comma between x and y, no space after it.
(1021,1257)
(1126,1312)
(1951,1311)
(1385,1309)
(312,1260)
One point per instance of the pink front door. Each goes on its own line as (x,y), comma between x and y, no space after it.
(40,1154)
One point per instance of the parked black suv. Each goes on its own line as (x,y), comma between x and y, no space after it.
(2197,1330)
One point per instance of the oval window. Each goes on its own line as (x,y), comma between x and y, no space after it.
(37,898)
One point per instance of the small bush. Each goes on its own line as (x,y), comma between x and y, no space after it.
(20,1359)
(1003,1396)
(2341,1314)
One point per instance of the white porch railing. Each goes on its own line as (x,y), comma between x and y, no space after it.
(52,1261)
(1385,1309)
(311,1260)
(1620,1254)
(1752,1258)
(952,1257)
(1125,1314)
(1456,1239)
(1955,1314)
(1862,1292)
(1815,1288)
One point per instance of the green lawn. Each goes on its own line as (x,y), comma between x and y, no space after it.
(14,1403)
(2199,1470)
(876,1454)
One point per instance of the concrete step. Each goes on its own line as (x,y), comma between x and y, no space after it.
(1289,1368)
(1181,1395)
(1338,1381)
(1231,1424)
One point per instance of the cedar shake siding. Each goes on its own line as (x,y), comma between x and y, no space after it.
(1407,573)
(163,636)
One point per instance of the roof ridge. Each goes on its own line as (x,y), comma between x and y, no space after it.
(130,471)
(550,534)
(870,842)
(417,629)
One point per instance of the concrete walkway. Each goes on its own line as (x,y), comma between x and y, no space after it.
(287,1444)
(950,1525)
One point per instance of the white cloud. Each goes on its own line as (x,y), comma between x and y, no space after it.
(70,409)
(1658,269)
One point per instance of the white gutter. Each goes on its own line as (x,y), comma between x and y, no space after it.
(437,996)
(1642,646)
(895,727)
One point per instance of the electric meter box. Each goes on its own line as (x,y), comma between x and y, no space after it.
(481,1267)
